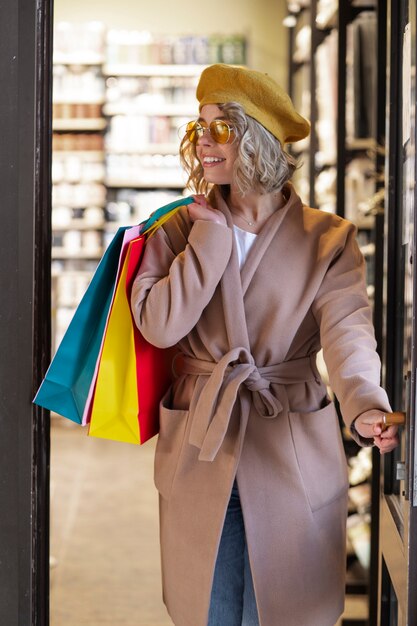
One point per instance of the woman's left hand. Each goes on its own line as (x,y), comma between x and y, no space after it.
(201,210)
(370,425)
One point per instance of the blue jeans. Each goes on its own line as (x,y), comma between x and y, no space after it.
(232,597)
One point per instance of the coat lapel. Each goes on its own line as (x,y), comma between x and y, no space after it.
(235,282)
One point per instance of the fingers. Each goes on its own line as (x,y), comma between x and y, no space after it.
(389,432)
(370,425)
(200,199)
(371,417)
(387,444)
(201,210)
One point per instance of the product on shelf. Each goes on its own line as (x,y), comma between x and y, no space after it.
(73,84)
(361,76)
(359,188)
(359,533)
(82,43)
(303,45)
(326,190)
(77,142)
(326,96)
(142,48)
(327,13)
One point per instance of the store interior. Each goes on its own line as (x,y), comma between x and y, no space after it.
(124,83)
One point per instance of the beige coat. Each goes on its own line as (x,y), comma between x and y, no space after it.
(248,400)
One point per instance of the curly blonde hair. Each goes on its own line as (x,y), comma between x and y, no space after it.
(261,165)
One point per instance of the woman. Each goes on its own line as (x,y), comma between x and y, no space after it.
(249,284)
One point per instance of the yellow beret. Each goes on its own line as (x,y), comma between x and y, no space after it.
(260,96)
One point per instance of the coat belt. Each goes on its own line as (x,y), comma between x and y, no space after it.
(213,409)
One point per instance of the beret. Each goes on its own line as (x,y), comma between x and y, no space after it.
(259,95)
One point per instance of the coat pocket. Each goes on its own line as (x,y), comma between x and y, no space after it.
(320,455)
(172,424)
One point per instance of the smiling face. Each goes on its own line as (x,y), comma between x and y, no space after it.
(216,159)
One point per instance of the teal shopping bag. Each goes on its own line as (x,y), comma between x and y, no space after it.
(67,382)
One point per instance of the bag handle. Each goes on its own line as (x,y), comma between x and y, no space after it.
(162,215)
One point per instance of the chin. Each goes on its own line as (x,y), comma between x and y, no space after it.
(217,180)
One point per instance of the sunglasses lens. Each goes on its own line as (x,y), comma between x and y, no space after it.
(191,131)
(220,131)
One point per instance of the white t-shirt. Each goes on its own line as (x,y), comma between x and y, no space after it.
(244,241)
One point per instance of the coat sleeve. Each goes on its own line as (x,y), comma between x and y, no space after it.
(171,290)
(344,316)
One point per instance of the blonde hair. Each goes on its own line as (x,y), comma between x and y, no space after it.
(261,164)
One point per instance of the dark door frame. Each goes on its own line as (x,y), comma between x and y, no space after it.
(25,155)
(398,514)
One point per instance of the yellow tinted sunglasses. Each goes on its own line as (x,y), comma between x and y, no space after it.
(219,130)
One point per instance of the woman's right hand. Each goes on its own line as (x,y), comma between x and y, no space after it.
(201,210)
(370,425)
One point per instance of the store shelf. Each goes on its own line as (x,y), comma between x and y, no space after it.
(78,224)
(360,144)
(81,204)
(168,110)
(62,253)
(82,58)
(72,273)
(145,184)
(82,98)
(151,148)
(80,124)
(85,155)
(152,70)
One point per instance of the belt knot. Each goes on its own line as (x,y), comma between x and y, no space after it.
(237,368)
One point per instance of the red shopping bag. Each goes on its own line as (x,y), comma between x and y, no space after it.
(133,375)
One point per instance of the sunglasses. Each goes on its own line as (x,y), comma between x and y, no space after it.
(219,130)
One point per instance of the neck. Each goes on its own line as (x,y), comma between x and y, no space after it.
(253,207)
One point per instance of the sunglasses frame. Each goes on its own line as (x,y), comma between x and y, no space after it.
(200,128)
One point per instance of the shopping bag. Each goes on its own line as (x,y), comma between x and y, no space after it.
(128,235)
(132,375)
(147,228)
(67,382)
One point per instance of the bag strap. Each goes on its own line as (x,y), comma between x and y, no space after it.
(162,215)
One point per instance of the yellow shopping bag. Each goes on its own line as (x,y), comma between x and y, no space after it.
(115,406)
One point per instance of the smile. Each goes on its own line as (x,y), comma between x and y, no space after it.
(212,160)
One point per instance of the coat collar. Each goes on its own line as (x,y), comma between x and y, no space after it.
(235,282)
(264,237)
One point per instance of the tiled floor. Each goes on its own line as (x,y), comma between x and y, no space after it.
(104,534)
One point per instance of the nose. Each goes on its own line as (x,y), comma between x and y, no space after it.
(206,138)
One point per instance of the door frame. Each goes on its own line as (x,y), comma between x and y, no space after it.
(25,181)
(398,513)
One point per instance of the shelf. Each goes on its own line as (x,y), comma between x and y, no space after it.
(125,69)
(81,124)
(360,144)
(151,148)
(78,224)
(113,227)
(82,58)
(62,253)
(57,204)
(86,155)
(366,223)
(163,110)
(72,273)
(145,184)
(80,99)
